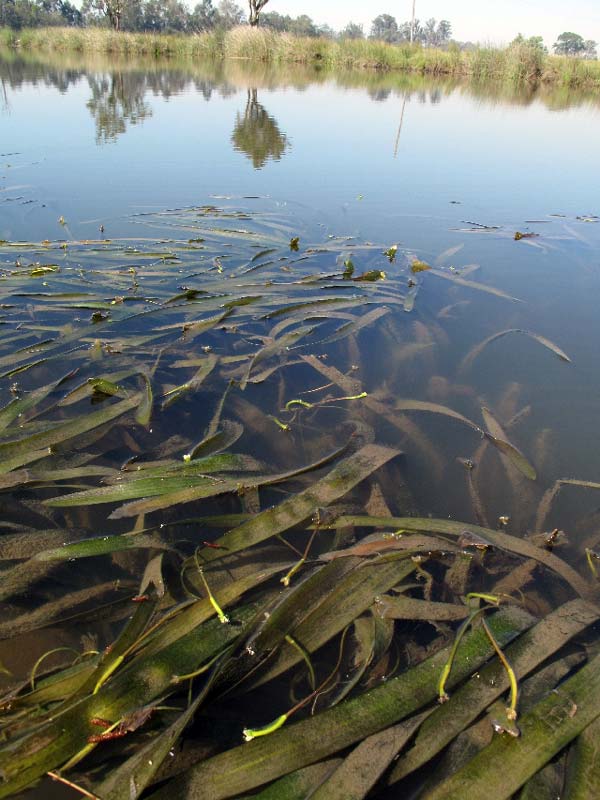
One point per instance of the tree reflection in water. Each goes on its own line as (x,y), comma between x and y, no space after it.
(257,134)
(117,99)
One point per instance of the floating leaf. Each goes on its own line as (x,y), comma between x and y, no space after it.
(419,266)
(370,276)
(512,544)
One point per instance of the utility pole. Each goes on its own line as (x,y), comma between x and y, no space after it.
(412,23)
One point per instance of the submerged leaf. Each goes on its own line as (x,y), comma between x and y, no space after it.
(470,700)
(507,763)
(306,742)
(342,478)
(482,287)
(478,349)
(497,437)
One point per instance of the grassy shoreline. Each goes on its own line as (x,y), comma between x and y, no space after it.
(518,63)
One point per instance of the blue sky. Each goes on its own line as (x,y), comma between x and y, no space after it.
(477,20)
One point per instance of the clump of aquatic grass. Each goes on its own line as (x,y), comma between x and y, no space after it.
(524,62)
(256,44)
(97,40)
(486,62)
(571,72)
(8,37)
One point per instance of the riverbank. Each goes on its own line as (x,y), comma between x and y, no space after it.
(520,63)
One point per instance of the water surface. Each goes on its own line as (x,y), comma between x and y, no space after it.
(169,190)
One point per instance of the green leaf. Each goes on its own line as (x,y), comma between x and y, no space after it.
(342,478)
(478,349)
(146,678)
(497,437)
(583,773)
(469,701)
(19,451)
(313,739)
(144,409)
(360,771)
(508,762)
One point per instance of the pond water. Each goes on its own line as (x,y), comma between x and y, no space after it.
(146,216)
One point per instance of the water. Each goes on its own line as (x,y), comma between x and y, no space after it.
(132,156)
(390,159)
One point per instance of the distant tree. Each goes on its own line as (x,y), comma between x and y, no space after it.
(133,16)
(418,32)
(9,17)
(590,49)
(325,31)
(430,32)
(352,31)
(444,31)
(111,10)
(299,26)
(303,26)
(276,21)
(534,42)
(385,28)
(569,44)
(60,12)
(203,17)
(165,16)
(256,6)
(229,14)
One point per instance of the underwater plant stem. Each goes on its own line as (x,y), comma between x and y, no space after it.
(56,777)
(220,613)
(511,711)
(442,695)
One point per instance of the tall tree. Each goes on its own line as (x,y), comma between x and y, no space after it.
(444,31)
(384,27)
(112,10)
(352,31)
(569,44)
(229,14)
(430,32)
(203,17)
(303,26)
(276,21)
(256,6)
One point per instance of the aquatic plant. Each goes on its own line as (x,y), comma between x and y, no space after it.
(192,474)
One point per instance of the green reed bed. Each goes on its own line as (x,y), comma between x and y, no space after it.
(520,62)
